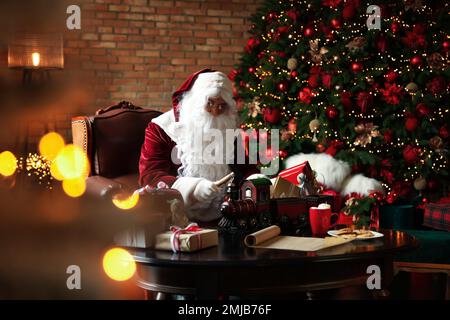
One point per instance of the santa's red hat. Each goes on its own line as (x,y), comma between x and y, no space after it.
(186,86)
(201,82)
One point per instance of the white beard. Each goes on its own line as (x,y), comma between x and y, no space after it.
(196,120)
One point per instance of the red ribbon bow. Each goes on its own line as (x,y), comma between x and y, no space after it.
(175,242)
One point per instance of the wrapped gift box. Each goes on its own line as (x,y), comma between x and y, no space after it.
(437,216)
(189,241)
(291,174)
(283,188)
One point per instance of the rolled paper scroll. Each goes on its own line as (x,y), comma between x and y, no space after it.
(224,180)
(260,236)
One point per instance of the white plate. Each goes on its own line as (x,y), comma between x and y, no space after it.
(375,235)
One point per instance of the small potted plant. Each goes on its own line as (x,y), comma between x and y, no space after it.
(364,209)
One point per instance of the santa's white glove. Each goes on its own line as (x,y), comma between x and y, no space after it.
(205,190)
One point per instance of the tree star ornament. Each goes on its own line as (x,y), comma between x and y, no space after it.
(356,44)
(365,131)
(436,143)
(254,108)
(316,54)
(436,61)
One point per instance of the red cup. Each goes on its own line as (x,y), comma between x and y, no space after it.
(320,220)
(345,219)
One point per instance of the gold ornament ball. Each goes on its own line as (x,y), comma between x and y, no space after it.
(420,183)
(411,87)
(314,124)
(292,64)
(436,143)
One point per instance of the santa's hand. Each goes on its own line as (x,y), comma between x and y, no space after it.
(205,190)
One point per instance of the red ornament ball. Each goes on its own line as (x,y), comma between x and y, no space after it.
(446,45)
(416,60)
(411,154)
(292,125)
(349,11)
(391,76)
(308,32)
(443,132)
(411,124)
(320,148)
(336,23)
(294,74)
(272,115)
(422,110)
(272,15)
(332,112)
(395,27)
(283,153)
(356,66)
(251,70)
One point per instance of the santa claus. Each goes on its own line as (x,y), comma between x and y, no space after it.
(171,155)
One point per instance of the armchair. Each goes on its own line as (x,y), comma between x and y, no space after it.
(112,140)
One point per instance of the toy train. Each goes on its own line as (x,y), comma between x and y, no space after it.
(250,208)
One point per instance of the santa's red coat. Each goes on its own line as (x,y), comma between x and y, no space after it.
(156,164)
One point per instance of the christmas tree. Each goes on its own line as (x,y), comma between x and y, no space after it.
(366,85)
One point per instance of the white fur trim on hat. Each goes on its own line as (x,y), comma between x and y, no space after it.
(209,80)
(360,184)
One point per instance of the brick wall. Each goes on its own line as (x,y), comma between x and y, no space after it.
(135,50)
(141,50)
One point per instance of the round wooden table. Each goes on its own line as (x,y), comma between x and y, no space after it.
(235,270)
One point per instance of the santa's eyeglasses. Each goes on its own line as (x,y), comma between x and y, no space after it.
(214,105)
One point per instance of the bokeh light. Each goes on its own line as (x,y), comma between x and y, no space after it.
(125,201)
(70,163)
(74,187)
(36,58)
(8,163)
(118,264)
(54,171)
(50,145)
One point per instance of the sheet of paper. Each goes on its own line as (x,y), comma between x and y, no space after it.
(269,238)
(300,243)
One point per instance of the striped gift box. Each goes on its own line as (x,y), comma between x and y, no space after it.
(437,216)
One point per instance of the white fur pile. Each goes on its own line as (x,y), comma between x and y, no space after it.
(360,184)
(335,174)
